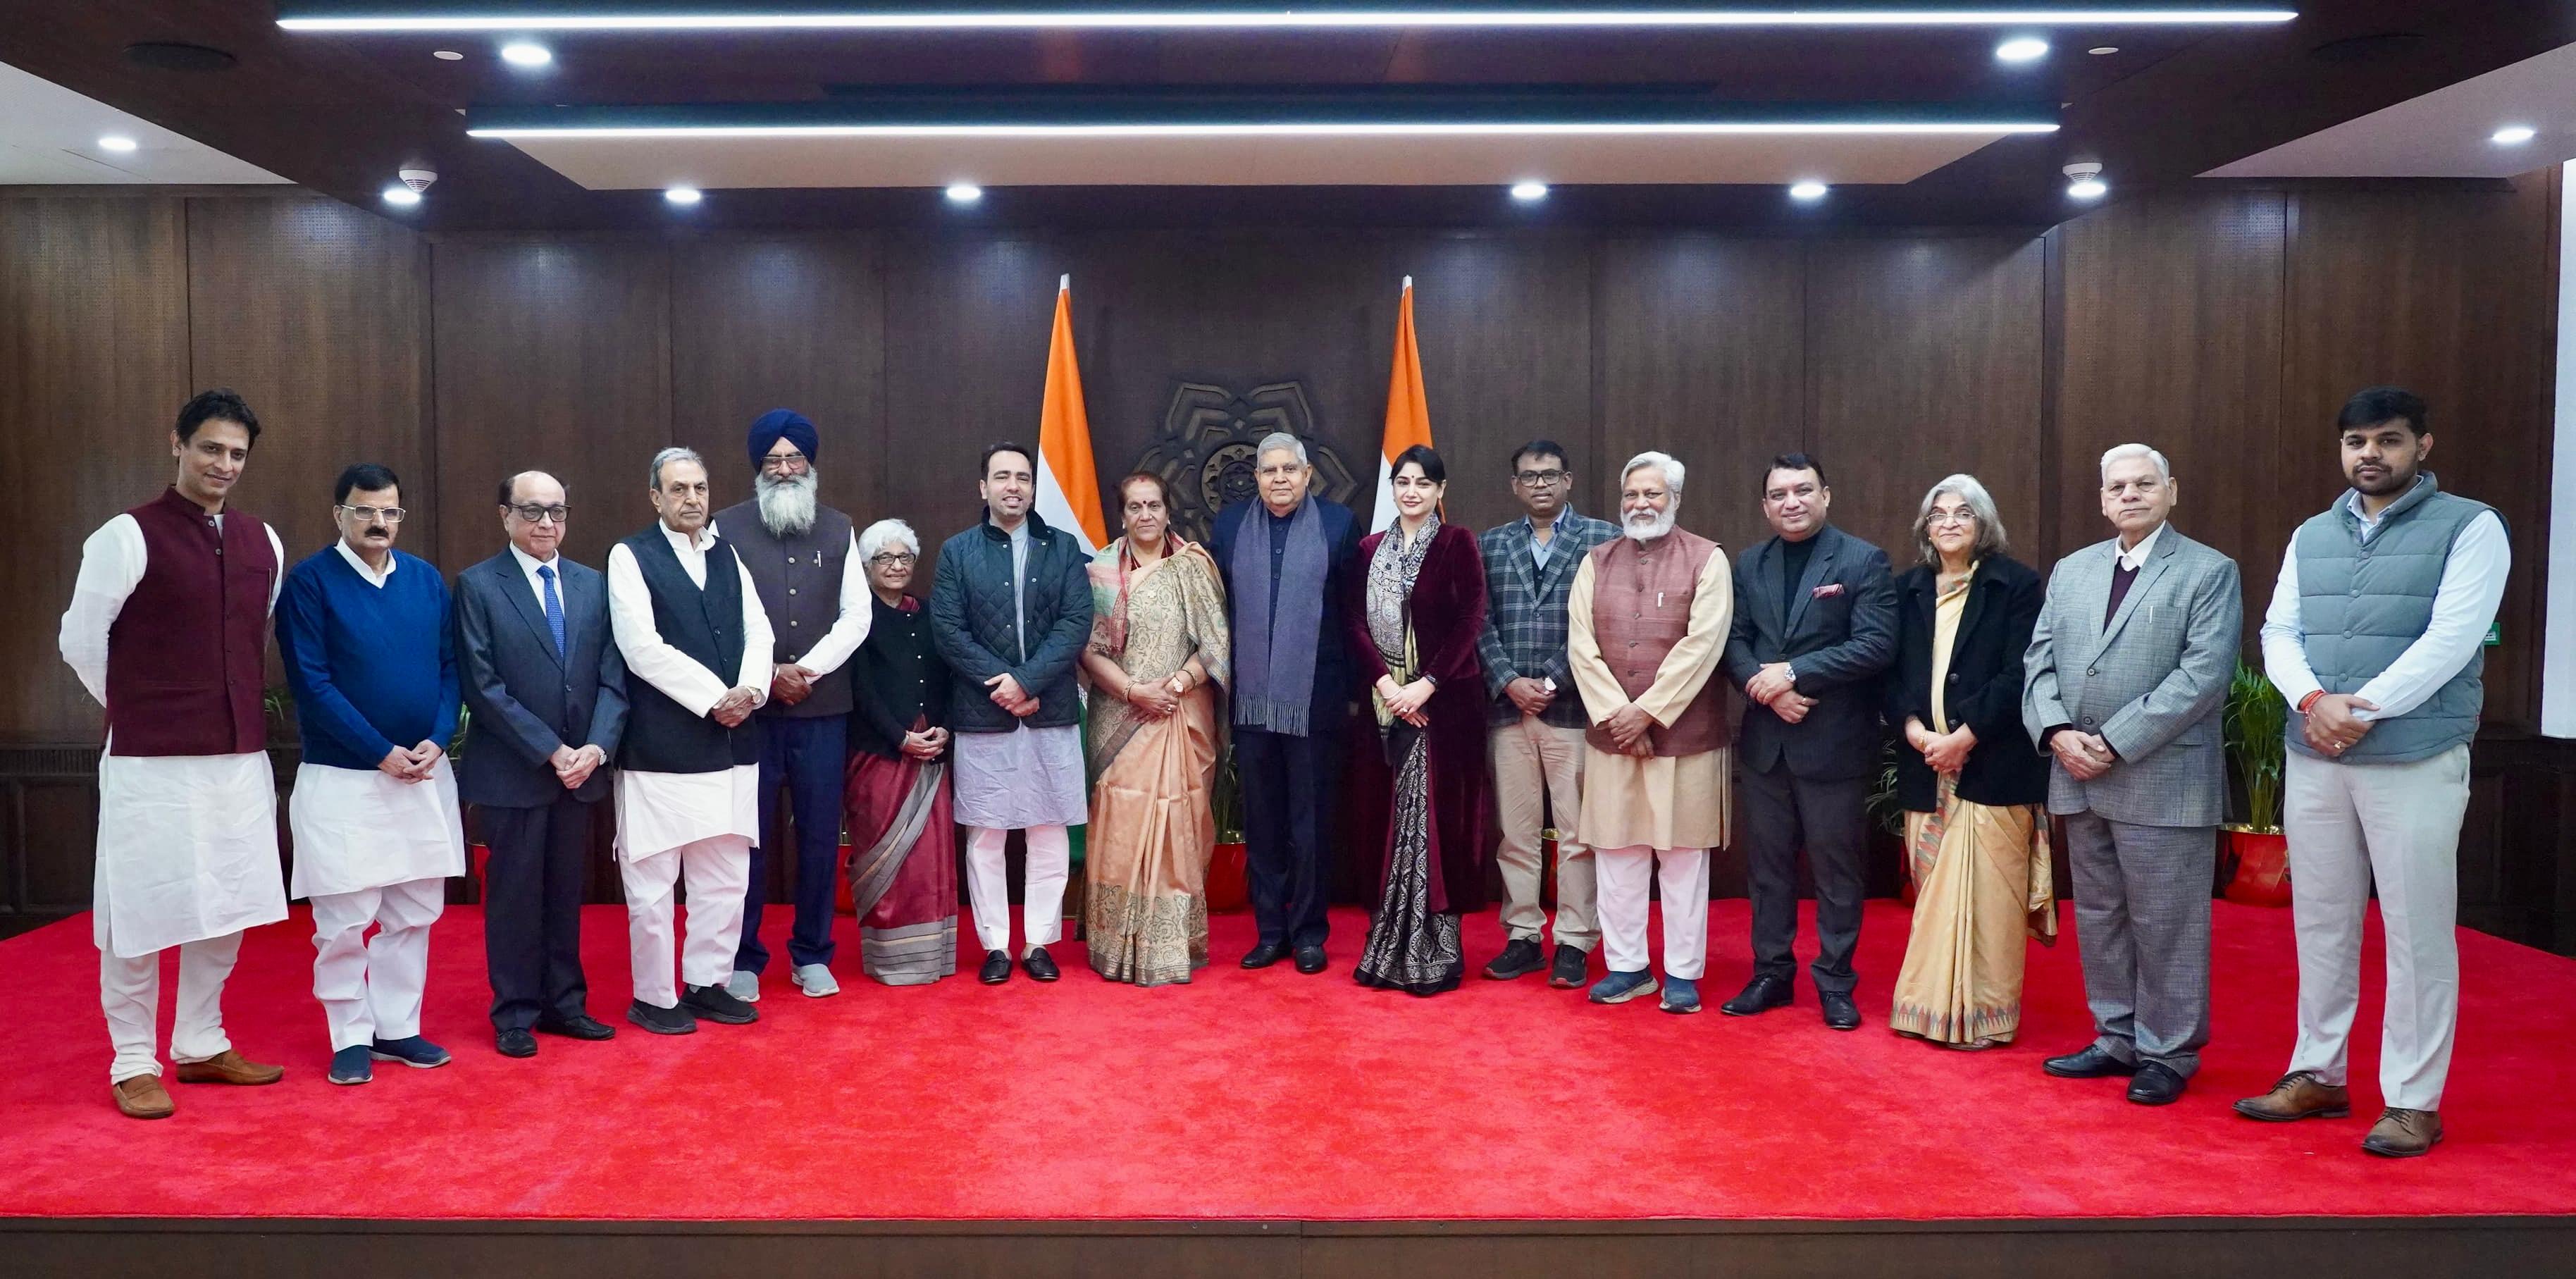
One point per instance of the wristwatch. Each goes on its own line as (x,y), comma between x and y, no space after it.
(1548,682)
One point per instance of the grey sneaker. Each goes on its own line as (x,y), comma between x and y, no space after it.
(816,981)
(744,986)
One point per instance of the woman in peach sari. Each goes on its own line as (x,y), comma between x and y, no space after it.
(1156,660)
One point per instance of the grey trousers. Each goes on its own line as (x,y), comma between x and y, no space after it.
(2142,923)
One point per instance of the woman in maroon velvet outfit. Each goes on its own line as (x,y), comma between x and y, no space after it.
(1419,606)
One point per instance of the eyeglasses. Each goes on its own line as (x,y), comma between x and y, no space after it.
(535,514)
(1538,479)
(782,461)
(376,514)
(1940,517)
(891,559)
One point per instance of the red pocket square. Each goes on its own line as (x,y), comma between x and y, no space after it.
(1826,591)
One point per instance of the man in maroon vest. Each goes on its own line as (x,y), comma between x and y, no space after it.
(168,629)
(1646,621)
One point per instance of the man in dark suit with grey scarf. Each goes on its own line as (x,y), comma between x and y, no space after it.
(1815,625)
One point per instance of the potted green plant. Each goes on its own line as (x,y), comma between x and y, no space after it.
(1227,888)
(2256,724)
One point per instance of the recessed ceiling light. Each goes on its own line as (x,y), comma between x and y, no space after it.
(1809,190)
(720,15)
(683,195)
(2514,135)
(116,142)
(964,193)
(2022,49)
(401,197)
(2088,188)
(1525,192)
(447,55)
(524,54)
(2103,50)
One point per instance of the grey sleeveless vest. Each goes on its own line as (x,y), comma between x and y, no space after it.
(2362,603)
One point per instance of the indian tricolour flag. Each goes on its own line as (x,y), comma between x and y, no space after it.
(1408,415)
(1068,482)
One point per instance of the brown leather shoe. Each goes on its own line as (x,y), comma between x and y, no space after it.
(143,1097)
(2298,1096)
(227,1067)
(2403,1134)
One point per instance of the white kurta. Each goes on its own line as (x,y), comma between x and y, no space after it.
(361,828)
(187,844)
(657,812)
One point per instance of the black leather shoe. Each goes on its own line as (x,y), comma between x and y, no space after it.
(1840,1012)
(1040,965)
(1568,970)
(581,1026)
(660,1020)
(1760,995)
(716,1004)
(997,968)
(1310,959)
(1265,954)
(1521,957)
(2089,1063)
(515,1043)
(2157,1084)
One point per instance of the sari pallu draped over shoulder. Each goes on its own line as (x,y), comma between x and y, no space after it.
(1146,853)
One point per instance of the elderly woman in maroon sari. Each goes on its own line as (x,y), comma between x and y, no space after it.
(1420,607)
(903,866)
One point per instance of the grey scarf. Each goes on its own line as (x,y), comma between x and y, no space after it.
(1277,695)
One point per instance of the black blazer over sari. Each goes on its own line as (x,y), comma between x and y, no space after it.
(1983,684)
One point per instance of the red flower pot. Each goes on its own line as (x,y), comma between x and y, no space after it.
(2260,867)
(841,899)
(1226,887)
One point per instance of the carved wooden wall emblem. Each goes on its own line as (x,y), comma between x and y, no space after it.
(1205,450)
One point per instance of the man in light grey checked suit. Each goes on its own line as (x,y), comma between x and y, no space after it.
(1536,716)
(2128,669)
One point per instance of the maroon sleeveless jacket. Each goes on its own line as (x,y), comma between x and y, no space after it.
(1641,604)
(187,656)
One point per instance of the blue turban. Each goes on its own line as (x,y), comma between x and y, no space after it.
(777,424)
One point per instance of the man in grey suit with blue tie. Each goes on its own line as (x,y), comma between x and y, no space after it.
(2128,670)
(546,686)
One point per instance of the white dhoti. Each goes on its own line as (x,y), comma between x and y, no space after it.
(373,850)
(1624,877)
(697,825)
(187,857)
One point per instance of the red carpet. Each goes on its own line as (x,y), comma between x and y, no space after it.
(1271,1095)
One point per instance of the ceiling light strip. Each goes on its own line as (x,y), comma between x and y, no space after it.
(1267,129)
(1464,17)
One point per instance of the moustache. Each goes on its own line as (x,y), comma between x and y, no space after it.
(379,532)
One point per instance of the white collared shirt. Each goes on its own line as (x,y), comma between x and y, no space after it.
(529,564)
(359,562)
(2136,555)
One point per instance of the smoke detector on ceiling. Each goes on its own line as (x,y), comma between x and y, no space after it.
(417,179)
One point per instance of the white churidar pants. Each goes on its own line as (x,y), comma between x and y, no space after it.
(1625,876)
(988,885)
(718,870)
(370,988)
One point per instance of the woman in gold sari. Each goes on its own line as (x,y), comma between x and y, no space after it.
(1976,829)
(1157,657)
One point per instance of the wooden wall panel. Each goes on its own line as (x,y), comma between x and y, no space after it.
(796,323)
(93,369)
(1700,352)
(1505,327)
(1923,360)
(2172,335)
(2451,295)
(553,356)
(319,315)
(965,362)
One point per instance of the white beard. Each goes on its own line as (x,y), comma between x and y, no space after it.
(787,506)
(1642,528)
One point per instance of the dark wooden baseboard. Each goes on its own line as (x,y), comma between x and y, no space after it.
(2198,1246)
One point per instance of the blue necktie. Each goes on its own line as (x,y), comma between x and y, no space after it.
(554,606)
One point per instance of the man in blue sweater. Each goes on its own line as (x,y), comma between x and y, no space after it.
(363,631)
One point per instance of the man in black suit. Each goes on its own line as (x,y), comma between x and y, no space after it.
(1815,624)
(547,690)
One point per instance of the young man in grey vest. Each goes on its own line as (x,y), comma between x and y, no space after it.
(796,550)
(2374,636)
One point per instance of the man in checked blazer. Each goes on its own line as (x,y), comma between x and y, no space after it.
(2127,671)
(546,686)
(1537,717)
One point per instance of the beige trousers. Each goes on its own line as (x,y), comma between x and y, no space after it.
(1538,768)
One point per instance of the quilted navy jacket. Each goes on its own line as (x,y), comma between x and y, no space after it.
(971,622)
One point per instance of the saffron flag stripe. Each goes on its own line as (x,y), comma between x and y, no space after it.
(1408,413)
(1068,480)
